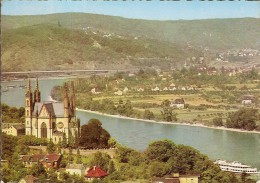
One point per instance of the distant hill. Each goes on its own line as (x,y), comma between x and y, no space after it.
(214,34)
(54,47)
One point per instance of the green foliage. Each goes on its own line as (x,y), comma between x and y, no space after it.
(158,169)
(123,154)
(111,167)
(93,135)
(51,147)
(78,157)
(161,150)
(148,114)
(218,122)
(37,170)
(102,160)
(12,114)
(30,140)
(244,118)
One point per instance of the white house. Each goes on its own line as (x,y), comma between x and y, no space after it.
(178,103)
(156,89)
(77,169)
(125,90)
(119,92)
(140,90)
(247,99)
(165,89)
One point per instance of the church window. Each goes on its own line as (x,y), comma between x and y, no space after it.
(55,139)
(60,139)
(27,102)
(27,112)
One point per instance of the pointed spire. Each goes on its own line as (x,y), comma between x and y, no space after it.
(28,85)
(37,93)
(37,84)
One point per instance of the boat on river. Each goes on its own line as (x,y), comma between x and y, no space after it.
(235,167)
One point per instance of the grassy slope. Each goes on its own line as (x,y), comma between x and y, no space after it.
(50,47)
(214,33)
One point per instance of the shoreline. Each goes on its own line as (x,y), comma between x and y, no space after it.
(40,78)
(169,123)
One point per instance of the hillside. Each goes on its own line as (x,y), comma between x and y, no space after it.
(216,34)
(54,47)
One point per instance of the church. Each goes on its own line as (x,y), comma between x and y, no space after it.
(51,119)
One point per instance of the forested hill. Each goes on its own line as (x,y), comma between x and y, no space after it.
(212,33)
(54,47)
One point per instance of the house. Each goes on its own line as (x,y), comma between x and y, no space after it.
(165,89)
(77,169)
(156,89)
(178,103)
(119,92)
(140,90)
(47,160)
(95,173)
(189,178)
(94,91)
(125,90)
(29,179)
(176,178)
(247,99)
(14,130)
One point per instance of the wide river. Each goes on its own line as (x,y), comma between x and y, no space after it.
(217,144)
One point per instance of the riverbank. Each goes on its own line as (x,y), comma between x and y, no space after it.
(170,123)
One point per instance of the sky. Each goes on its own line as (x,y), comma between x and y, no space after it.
(151,10)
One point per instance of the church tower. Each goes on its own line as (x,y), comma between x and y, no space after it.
(37,93)
(28,109)
(66,101)
(73,100)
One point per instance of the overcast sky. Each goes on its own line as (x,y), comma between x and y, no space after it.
(154,9)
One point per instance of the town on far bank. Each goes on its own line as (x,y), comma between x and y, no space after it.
(44,142)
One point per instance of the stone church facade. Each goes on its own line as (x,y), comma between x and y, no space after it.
(51,119)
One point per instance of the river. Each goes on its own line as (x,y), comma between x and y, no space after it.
(217,144)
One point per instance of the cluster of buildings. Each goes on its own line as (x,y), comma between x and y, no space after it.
(53,161)
(177,178)
(247,52)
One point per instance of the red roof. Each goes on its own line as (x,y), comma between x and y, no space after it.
(96,172)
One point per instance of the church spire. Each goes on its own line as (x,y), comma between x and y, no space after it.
(28,87)
(37,93)
(66,101)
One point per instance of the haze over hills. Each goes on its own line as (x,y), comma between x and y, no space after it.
(53,47)
(90,40)
(212,33)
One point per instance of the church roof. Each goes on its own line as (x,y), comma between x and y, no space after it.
(54,108)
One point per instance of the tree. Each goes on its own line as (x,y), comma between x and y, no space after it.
(78,157)
(217,122)
(93,135)
(37,170)
(158,169)
(51,147)
(244,118)
(161,150)
(112,143)
(148,114)
(70,156)
(111,167)
(101,159)
(64,143)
